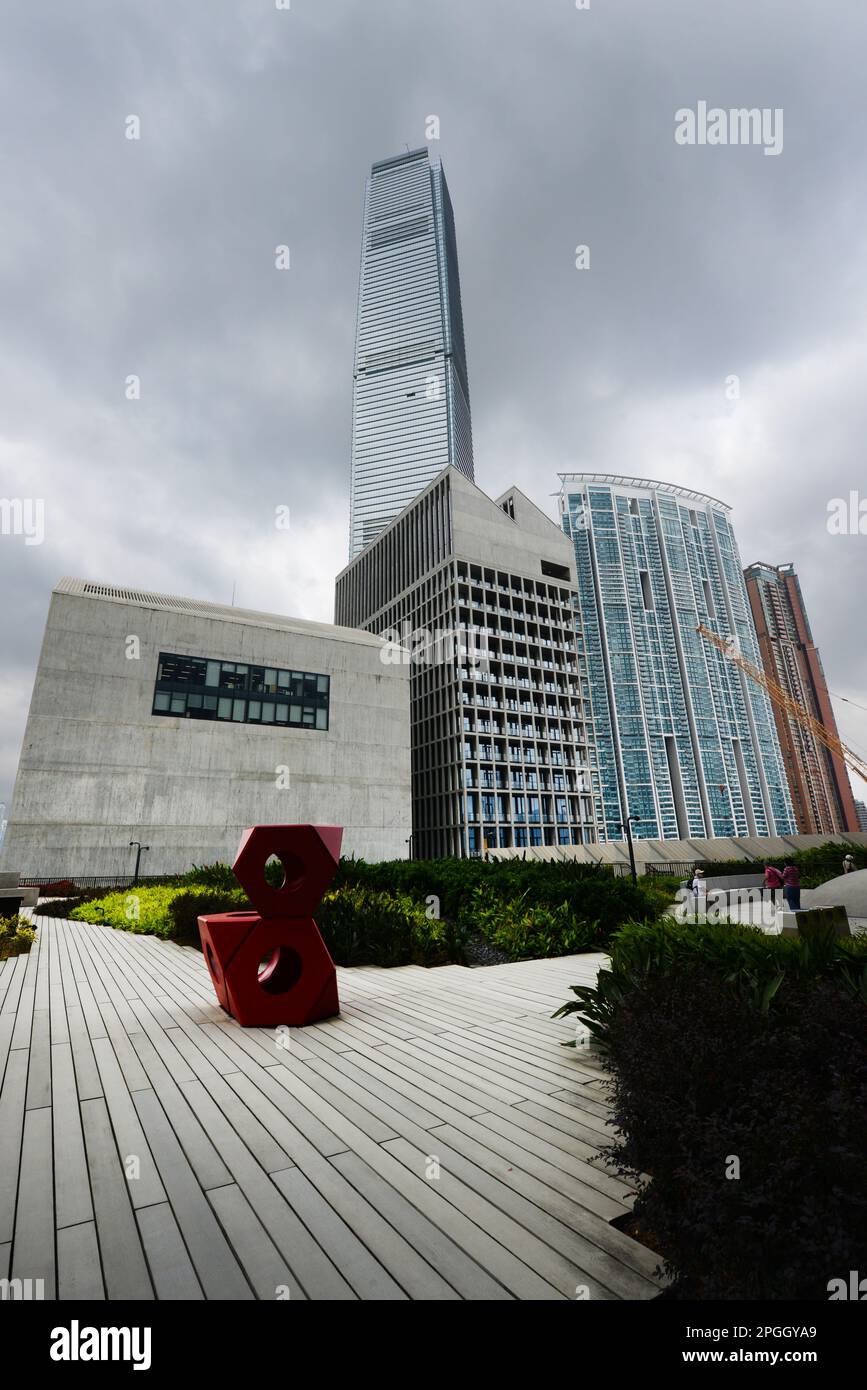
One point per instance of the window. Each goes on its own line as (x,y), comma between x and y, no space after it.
(190,687)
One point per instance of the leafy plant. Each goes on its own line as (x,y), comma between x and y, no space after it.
(17,935)
(726,1044)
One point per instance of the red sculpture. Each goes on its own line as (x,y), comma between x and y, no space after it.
(272,966)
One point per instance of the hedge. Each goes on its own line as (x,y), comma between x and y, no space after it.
(739,1084)
(423,912)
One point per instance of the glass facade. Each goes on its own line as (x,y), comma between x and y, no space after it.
(192,687)
(411,402)
(684,740)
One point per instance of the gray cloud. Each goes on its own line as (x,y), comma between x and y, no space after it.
(156,257)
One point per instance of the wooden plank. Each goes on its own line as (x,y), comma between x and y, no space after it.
(170,1265)
(597,1230)
(268,1271)
(255,1136)
(198,1149)
(14,980)
(79,1273)
(124,1266)
(12,1099)
(358,1266)
(213,1259)
(33,1242)
(39,1071)
(145,1187)
(87,1076)
(269,1102)
(373,1117)
(563,1274)
(473,1237)
(410,1249)
(71,1180)
(315,1273)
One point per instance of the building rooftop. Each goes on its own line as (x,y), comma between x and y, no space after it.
(650,484)
(113,593)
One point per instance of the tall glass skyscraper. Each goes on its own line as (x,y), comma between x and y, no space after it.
(411,400)
(684,739)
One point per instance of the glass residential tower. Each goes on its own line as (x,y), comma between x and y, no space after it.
(685,740)
(411,403)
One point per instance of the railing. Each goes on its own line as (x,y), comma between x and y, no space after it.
(70,884)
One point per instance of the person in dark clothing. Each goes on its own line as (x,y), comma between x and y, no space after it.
(792,886)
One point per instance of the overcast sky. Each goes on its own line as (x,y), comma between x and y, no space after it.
(156,258)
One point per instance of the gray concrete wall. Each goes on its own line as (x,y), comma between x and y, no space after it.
(97,769)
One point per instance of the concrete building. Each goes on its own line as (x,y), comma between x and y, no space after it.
(685,741)
(411,397)
(478,597)
(179,723)
(818,780)
(861,811)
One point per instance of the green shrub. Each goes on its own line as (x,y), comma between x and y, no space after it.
(167,911)
(745,959)
(189,904)
(528,932)
(17,935)
(210,876)
(361,926)
(722,1043)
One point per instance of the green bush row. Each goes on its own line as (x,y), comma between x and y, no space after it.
(745,959)
(416,911)
(738,1065)
(816,865)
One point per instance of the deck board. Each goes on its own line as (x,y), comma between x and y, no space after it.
(434,1142)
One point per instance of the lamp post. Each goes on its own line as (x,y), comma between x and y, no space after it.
(139,847)
(627,826)
(409,842)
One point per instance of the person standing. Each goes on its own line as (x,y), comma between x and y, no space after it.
(773,877)
(792,886)
(773,883)
(848,865)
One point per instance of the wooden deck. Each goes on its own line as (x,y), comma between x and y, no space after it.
(434,1142)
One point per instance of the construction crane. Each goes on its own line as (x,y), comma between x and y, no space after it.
(781,697)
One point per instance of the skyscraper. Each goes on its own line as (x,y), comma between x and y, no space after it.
(684,740)
(500,753)
(411,400)
(818,780)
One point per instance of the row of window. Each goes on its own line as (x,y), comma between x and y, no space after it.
(237,676)
(197,688)
(191,706)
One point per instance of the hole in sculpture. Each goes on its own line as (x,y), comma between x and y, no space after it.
(280,970)
(284,871)
(212,961)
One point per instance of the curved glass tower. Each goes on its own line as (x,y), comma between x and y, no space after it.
(411,400)
(685,741)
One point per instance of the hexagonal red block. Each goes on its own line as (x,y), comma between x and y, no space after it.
(222,933)
(282,973)
(272,966)
(309,855)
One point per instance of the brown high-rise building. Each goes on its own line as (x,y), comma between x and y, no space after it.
(818,779)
